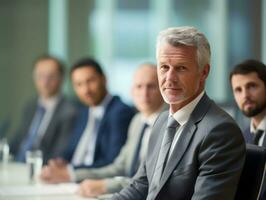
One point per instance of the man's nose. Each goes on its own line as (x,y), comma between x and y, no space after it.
(171,75)
(245,93)
(85,89)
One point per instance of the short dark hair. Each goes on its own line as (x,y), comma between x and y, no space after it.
(249,66)
(59,63)
(87,62)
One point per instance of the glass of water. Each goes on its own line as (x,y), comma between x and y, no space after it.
(4,151)
(34,161)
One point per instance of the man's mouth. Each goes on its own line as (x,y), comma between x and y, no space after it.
(171,88)
(248,103)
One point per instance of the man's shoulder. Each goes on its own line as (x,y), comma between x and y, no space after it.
(210,119)
(207,109)
(117,105)
(67,106)
(31,102)
(217,114)
(218,125)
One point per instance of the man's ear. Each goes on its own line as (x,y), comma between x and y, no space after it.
(132,92)
(104,80)
(205,72)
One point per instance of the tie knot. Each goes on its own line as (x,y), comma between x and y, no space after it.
(259,132)
(172,123)
(145,125)
(40,109)
(257,136)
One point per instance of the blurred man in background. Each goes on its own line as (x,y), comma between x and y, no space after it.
(248,80)
(48,118)
(101,128)
(148,100)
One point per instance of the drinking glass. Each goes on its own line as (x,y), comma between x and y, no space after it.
(34,161)
(4,151)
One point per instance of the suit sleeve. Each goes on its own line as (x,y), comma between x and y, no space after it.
(221,159)
(138,188)
(21,132)
(64,129)
(117,168)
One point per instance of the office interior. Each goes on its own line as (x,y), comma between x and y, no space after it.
(120,34)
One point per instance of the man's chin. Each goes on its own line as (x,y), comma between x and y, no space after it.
(251,112)
(173,101)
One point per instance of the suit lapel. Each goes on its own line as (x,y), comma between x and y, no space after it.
(103,124)
(248,136)
(106,115)
(135,137)
(264,140)
(184,140)
(49,134)
(155,142)
(179,151)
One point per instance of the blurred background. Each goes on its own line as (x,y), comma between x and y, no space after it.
(120,34)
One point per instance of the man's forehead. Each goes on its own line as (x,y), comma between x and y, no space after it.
(249,76)
(244,79)
(180,58)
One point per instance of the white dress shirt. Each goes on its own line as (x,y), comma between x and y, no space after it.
(182,117)
(49,106)
(261,126)
(84,153)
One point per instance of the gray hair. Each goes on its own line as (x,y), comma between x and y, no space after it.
(188,36)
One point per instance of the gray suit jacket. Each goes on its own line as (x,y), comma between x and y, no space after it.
(117,172)
(206,162)
(56,137)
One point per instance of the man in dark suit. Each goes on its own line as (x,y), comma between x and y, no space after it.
(101,129)
(149,102)
(196,150)
(248,80)
(47,120)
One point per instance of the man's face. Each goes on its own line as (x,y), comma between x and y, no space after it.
(180,78)
(89,85)
(47,78)
(250,93)
(145,90)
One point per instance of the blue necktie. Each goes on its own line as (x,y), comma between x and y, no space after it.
(32,134)
(135,161)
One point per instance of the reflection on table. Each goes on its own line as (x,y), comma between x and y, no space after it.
(15,184)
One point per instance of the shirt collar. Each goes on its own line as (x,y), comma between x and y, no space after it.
(261,126)
(98,111)
(49,103)
(150,119)
(182,115)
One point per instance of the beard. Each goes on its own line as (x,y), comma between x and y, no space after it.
(255,111)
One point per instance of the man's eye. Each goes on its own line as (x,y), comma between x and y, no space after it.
(237,90)
(164,67)
(182,68)
(252,86)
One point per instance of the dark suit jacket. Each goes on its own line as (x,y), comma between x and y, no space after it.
(206,162)
(249,139)
(56,136)
(111,136)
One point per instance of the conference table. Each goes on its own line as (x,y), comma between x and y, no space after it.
(15,184)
